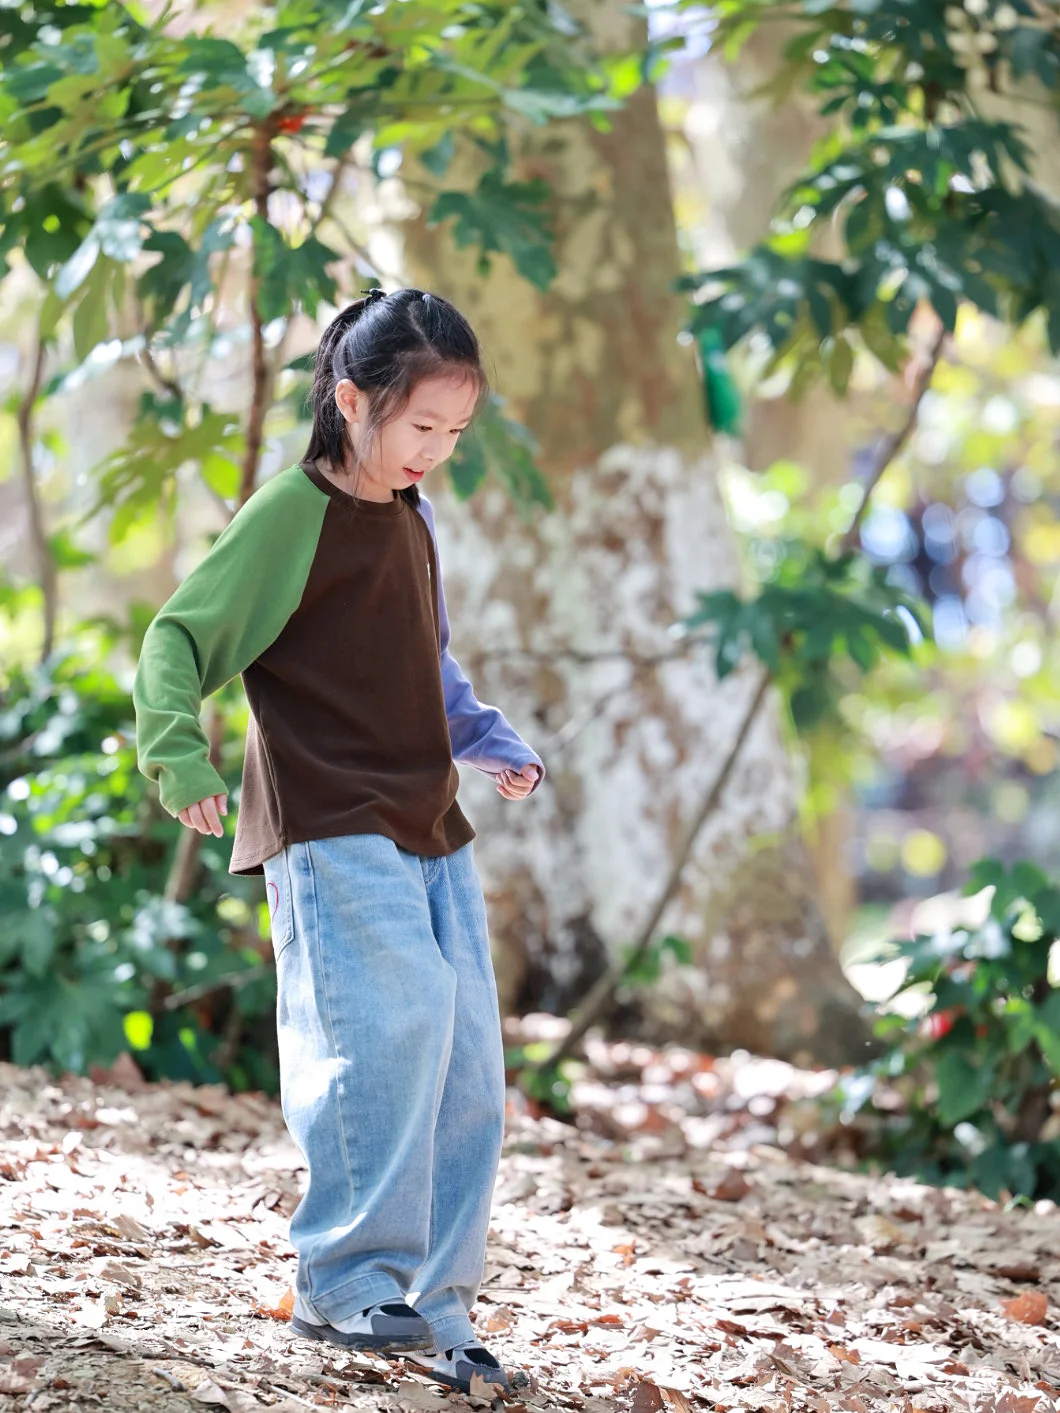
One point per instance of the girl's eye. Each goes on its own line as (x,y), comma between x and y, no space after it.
(420,428)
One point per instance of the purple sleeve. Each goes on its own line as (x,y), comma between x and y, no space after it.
(479,733)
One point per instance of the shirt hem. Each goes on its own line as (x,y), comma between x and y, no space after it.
(458,832)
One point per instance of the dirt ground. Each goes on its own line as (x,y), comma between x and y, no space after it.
(669,1249)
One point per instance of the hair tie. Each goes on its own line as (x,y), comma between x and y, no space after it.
(373,294)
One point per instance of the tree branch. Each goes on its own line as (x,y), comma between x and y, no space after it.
(892,444)
(234,981)
(260,370)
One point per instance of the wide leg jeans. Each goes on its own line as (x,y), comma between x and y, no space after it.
(391,1075)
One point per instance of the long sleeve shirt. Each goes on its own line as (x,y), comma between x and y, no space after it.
(331,610)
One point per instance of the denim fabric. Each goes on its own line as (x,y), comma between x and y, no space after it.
(391,1074)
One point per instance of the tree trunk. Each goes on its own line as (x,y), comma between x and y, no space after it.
(595,369)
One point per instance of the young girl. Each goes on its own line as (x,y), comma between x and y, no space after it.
(323,592)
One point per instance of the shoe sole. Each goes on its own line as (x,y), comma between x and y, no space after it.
(373,1344)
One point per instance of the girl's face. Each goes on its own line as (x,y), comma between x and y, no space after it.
(417,440)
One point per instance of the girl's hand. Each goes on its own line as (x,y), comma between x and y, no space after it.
(204,817)
(517,784)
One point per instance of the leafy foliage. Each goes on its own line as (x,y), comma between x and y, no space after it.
(645,968)
(498,444)
(95,958)
(550,1085)
(816,612)
(142,157)
(502,216)
(967,1097)
(933,199)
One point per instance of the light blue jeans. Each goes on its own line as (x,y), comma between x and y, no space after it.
(391,1075)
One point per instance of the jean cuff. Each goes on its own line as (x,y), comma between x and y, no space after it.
(448,1330)
(348,1299)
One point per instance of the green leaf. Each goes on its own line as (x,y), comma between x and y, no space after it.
(223,475)
(467,466)
(497,445)
(963,1088)
(37,940)
(290,277)
(437,159)
(679,947)
(503,216)
(66,554)
(91,325)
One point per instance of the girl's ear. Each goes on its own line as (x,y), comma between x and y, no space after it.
(349,399)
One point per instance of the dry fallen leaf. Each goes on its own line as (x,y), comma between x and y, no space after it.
(740,1308)
(121,1275)
(412,1397)
(209,1392)
(1029,1308)
(646,1398)
(731,1188)
(237,1400)
(880,1233)
(131,1228)
(20,1375)
(1012,1403)
(849,1356)
(281,1311)
(500,1319)
(481,1387)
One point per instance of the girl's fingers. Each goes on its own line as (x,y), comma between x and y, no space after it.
(513,788)
(203,816)
(514,784)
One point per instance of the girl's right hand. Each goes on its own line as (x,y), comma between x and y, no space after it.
(204,816)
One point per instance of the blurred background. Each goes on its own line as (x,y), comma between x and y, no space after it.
(756,541)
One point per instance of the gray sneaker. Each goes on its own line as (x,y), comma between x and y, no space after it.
(389,1328)
(454,1367)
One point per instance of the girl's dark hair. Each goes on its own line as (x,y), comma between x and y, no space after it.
(385,344)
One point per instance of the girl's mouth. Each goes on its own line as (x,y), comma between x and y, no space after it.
(413,475)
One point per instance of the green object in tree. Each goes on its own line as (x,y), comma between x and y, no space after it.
(720,393)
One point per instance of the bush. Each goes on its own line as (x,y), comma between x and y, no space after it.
(971,1095)
(94,958)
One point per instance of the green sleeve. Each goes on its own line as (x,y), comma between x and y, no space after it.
(223,616)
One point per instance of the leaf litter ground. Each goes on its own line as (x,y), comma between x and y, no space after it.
(672,1249)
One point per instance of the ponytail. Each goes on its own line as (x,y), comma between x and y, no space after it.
(385,344)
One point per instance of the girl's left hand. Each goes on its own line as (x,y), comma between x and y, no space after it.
(517,784)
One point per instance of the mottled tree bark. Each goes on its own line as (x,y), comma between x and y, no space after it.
(595,369)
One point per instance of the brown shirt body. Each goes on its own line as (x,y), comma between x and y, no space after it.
(348,731)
